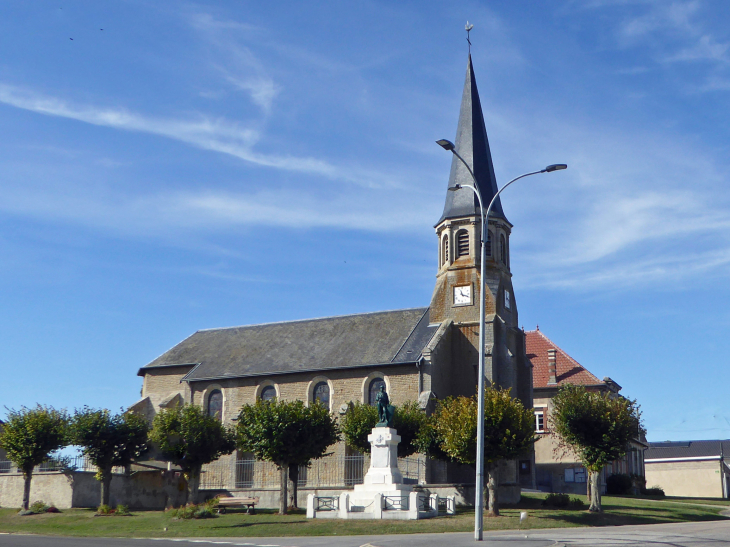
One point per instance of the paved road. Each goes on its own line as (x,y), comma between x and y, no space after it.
(696,534)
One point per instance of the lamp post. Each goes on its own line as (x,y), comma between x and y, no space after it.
(479,486)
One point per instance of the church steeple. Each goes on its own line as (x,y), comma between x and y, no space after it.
(472,144)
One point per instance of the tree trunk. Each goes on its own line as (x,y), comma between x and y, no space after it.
(588,488)
(27,476)
(193,477)
(106,479)
(492,488)
(293,485)
(283,471)
(595,498)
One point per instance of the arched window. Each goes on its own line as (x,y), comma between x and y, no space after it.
(215,404)
(503,249)
(462,243)
(489,243)
(268,393)
(374,389)
(322,394)
(445,250)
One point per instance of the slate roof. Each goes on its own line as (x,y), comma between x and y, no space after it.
(568,370)
(687,449)
(472,144)
(381,338)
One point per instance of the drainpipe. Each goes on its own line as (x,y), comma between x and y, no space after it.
(722,473)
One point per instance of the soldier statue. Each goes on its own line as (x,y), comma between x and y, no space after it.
(385,409)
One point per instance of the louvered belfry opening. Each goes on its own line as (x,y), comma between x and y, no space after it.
(462,243)
(445,250)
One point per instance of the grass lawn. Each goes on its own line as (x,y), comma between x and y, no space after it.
(81,522)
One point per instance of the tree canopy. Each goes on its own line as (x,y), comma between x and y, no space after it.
(108,440)
(360,420)
(287,433)
(451,433)
(29,436)
(598,427)
(188,437)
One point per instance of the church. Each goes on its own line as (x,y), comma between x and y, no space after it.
(420,354)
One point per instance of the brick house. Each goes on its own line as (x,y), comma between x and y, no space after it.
(420,354)
(551,368)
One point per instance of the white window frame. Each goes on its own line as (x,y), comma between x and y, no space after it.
(539,413)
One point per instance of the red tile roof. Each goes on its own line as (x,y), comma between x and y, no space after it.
(569,371)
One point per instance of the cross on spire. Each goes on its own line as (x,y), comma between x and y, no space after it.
(468,28)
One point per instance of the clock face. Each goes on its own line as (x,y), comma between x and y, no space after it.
(462,295)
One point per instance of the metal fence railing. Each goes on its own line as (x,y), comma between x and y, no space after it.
(395,502)
(54,465)
(325,472)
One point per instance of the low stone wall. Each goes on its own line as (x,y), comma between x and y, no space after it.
(140,490)
(52,488)
(160,489)
(463,493)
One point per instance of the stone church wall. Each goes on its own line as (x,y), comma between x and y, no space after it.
(345,386)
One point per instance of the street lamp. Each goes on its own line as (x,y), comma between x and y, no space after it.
(479,486)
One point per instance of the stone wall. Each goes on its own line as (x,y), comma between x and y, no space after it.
(52,488)
(463,493)
(345,386)
(140,490)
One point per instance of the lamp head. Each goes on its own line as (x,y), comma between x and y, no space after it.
(555,167)
(445,144)
(455,187)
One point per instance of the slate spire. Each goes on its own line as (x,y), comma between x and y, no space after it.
(472,144)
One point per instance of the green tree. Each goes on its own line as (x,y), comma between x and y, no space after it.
(29,436)
(509,432)
(288,434)
(108,440)
(597,427)
(360,420)
(188,437)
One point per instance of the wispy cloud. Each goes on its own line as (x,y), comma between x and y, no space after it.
(675,31)
(182,212)
(238,64)
(660,16)
(705,49)
(630,271)
(636,207)
(219,135)
(262,90)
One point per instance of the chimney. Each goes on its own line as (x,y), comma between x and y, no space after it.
(552,368)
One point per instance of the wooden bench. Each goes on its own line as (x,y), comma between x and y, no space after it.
(233,501)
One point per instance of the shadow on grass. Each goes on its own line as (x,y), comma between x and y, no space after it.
(252,524)
(585,518)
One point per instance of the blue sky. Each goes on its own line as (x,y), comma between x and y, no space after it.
(197,165)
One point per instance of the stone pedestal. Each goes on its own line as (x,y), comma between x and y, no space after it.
(383,477)
(383,474)
(382,494)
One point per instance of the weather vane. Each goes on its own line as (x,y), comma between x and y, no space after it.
(468,28)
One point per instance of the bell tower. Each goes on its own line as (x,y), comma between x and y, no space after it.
(457,291)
